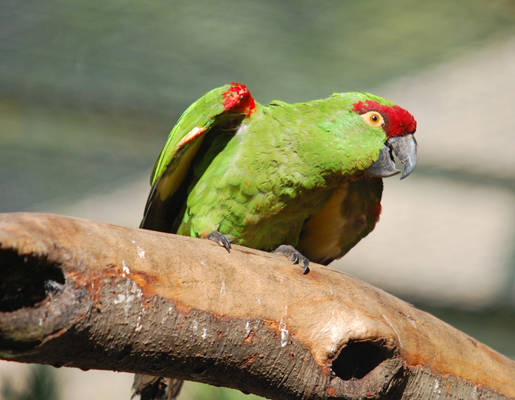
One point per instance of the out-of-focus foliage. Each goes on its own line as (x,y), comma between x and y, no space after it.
(198,391)
(41,384)
(153,56)
(89,90)
(58,155)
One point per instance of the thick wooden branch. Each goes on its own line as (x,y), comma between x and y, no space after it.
(91,295)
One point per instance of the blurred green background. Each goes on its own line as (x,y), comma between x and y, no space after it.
(90,89)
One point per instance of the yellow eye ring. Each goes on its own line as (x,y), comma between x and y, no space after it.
(373,118)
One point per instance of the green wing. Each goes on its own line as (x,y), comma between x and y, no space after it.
(217,113)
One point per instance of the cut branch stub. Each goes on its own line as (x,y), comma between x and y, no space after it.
(92,295)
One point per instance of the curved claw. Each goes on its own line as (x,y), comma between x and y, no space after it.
(221,239)
(399,148)
(293,254)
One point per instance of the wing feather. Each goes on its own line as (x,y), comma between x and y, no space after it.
(217,112)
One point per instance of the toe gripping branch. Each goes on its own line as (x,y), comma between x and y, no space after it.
(221,239)
(293,254)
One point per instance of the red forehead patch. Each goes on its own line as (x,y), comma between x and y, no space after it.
(398,121)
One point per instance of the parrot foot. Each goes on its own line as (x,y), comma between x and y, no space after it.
(293,254)
(221,239)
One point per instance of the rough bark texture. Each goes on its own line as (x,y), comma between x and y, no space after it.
(91,295)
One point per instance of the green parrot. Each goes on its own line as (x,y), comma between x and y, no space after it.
(300,179)
(303,176)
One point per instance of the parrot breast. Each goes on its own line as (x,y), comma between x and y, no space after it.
(349,214)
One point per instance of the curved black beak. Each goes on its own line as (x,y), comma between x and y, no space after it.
(399,148)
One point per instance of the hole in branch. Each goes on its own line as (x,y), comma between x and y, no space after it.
(27,280)
(357,359)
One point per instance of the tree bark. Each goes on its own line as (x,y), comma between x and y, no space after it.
(91,295)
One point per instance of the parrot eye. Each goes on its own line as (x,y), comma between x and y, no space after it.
(373,118)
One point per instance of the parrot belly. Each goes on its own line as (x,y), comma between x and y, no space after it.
(349,214)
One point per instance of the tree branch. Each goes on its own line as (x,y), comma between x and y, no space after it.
(90,295)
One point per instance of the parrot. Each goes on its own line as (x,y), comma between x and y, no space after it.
(303,179)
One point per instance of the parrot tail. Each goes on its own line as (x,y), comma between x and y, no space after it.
(149,387)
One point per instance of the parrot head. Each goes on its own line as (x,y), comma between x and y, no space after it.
(399,127)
